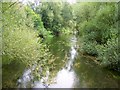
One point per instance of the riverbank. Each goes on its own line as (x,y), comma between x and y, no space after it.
(73,69)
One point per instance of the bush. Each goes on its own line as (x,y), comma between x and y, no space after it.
(89,48)
(21,42)
(21,45)
(108,54)
(100,34)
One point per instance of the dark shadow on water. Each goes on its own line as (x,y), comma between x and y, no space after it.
(11,73)
(92,76)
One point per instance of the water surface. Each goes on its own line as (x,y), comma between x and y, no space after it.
(73,70)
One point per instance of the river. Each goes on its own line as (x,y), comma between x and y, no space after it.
(77,72)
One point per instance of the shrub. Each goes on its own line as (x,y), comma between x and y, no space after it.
(20,40)
(89,48)
(108,54)
(21,45)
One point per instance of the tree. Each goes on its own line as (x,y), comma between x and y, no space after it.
(21,43)
(97,26)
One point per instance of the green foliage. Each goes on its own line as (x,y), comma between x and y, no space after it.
(97,27)
(55,16)
(18,38)
(66,31)
(51,17)
(17,45)
(23,25)
(66,14)
(38,24)
(21,43)
(89,48)
(108,54)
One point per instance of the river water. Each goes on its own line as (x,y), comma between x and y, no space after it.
(65,78)
(77,72)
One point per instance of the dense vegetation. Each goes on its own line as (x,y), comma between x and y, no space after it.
(56,16)
(21,42)
(26,30)
(97,25)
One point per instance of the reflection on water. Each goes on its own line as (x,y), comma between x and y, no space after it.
(25,80)
(10,74)
(92,76)
(79,71)
(64,79)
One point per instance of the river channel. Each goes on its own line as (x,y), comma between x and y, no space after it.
(76,72)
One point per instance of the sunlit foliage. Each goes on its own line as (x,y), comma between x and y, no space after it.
(21,43)
(27,30)
(97,24)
